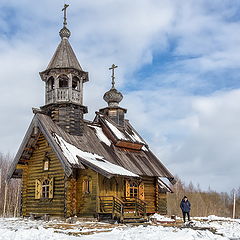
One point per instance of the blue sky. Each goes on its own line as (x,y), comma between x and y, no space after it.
(178,69)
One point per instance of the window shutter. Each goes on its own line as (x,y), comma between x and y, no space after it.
(141,191)
(127,188)
(38,189)
(51,185)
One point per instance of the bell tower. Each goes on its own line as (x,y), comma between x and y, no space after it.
(113,97)
(64,78)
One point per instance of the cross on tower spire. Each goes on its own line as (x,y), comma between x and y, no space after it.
(64,32)
(65,15)
(113,76)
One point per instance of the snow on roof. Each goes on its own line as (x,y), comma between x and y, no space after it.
(102,137)
(72,153)
(120,135)
(144,148)
(163,183)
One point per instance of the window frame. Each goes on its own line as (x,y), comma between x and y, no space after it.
(44,189)
(87,185)
(46,162)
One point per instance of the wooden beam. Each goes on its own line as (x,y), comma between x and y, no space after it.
(21,166)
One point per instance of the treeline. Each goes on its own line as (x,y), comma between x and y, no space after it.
(9,192)
(204,203)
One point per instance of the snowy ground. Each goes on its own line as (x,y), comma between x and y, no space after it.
(164,229)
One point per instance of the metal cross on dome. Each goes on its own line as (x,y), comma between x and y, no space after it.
(113,77)
(65,14)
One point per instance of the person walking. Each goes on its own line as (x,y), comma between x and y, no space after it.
(186,207)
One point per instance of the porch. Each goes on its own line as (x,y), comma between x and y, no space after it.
(124,209)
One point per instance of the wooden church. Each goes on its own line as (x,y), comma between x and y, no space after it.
(73,167)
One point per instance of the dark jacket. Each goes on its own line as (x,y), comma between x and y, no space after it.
(185,206)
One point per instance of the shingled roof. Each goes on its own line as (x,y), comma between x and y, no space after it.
(64,57)
(97,146)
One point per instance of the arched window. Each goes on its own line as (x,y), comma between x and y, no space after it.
(75,83)
(46,162)
(63,81)
(44,188)
(50,84)
(134,189)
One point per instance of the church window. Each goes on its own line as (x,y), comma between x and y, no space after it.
(134,189)
(46,162)
(46,165)
(87,185)
(63,81)
(75,83)
(44,189)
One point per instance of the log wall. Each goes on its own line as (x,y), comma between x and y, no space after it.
(34,170)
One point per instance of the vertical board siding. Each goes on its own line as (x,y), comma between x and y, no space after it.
(86,202)
(150,193)
(54,206)
(111,187)
(162,207)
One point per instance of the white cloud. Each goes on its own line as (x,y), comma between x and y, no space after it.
(201,142)
(182,127)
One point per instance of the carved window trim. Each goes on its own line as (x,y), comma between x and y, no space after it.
(44,188)
(134,189)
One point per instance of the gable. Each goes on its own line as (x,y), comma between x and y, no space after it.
(30,144)
(141,162)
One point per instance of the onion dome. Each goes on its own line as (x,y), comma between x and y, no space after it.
(113,97)
(64,33)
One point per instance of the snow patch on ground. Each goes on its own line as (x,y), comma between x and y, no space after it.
(161,218)
(23,229)
(227,227)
